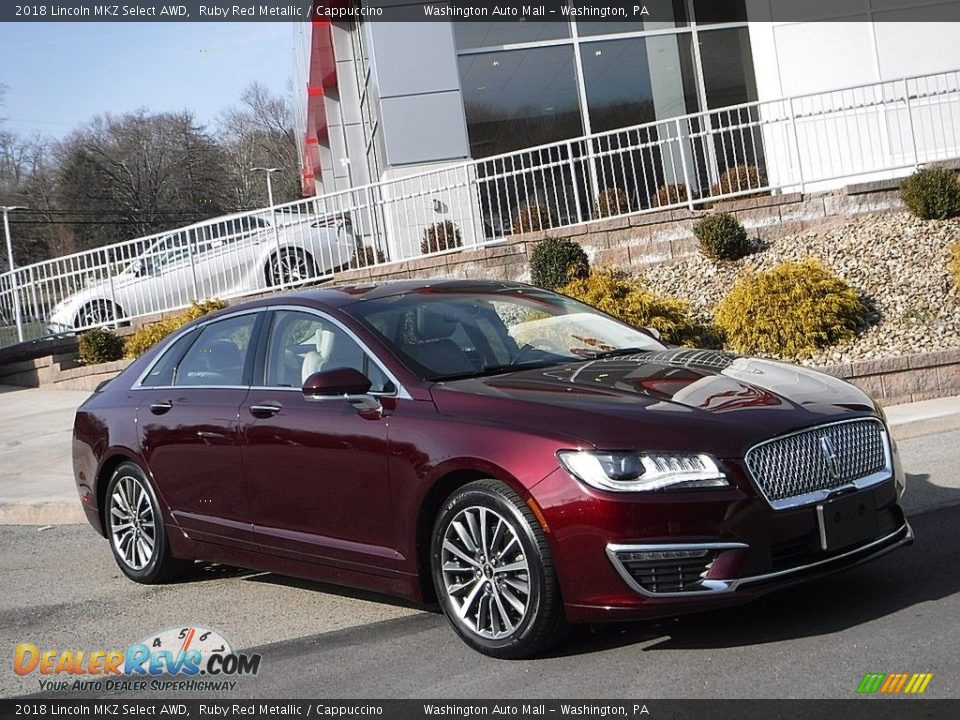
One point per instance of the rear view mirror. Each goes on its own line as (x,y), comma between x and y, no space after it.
(340,381)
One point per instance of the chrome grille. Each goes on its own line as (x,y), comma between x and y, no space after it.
(819,460)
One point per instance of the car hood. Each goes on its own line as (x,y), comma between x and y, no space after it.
(673,399)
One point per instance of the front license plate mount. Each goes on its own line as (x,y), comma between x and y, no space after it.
(847,520)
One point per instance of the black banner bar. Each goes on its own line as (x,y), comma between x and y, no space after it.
(857,709)
(652,13)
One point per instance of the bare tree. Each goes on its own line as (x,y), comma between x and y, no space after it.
(259,133)
(143,173)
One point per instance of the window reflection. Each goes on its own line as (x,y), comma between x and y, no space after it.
(519,98)
(486,33)
(622,90)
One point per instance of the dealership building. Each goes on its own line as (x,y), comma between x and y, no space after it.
(380,100)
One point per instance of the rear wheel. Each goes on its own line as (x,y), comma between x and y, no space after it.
(291,265)
(97,314)
(494,572)
(138,537)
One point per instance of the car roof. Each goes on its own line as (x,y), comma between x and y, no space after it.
(339,295)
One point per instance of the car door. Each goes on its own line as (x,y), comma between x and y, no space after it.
(317,473)
(188,426)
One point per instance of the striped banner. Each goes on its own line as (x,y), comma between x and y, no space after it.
(894,683)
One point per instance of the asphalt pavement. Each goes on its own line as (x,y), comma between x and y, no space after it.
(61,590)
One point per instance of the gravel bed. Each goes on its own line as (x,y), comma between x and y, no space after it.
(897,262)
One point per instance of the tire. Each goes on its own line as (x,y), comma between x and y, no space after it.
(137,558)
(503,613)
(98,313)
(291,265)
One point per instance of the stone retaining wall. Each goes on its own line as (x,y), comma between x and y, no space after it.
(904,379)
(634,242)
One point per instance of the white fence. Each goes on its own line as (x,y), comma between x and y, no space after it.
(800,143)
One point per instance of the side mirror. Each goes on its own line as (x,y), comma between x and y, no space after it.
(334,383)
(654,332)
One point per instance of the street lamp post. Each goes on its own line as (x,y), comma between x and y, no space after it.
(273,215)
(7,209)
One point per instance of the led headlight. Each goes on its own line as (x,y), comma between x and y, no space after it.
(643,471)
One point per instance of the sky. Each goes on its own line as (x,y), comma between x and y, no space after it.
(60,75)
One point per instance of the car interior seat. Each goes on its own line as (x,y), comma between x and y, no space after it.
(435,349)
(315,359)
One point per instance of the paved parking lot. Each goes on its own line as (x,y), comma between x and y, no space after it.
(62,590)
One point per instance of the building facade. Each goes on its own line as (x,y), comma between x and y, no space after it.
(381,100)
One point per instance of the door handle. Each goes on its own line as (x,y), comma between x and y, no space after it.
(160,407)
(265,410)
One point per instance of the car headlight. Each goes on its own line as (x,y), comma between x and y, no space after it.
(643,471)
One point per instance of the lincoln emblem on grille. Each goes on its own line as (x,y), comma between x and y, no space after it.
(830,456)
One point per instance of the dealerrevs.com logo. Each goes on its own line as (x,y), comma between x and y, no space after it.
(190,659)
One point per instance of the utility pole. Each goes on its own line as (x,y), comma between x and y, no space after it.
(7,209)
(273,216)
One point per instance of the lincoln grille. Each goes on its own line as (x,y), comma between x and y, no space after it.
(819,459)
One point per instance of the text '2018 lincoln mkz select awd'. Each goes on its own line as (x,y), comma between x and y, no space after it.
(517,456)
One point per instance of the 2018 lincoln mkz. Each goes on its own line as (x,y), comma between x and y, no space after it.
(515,455)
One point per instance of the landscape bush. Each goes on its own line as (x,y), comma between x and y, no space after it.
(100,345)
(146,337)
(532,218)
(953,264)
(669,195)
(612,201)
(441,236)
(722,237)
(618,294)
(789,311)
(739,178)
(365,256)
(556,261)
(932,193)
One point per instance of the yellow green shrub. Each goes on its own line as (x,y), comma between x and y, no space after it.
(789,311)
(616,293)
(953,265)
(146,337)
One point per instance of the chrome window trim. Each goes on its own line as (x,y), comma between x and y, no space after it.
(138,384)
(730,585)
(820,495)
(400,392)
(710,586)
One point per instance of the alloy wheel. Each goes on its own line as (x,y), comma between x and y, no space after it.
(485,572)
(133,526)
(291,266)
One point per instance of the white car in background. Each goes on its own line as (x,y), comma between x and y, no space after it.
(226,258)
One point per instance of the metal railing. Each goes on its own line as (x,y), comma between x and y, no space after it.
(800,143)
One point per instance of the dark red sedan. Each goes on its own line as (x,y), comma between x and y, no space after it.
(522,458)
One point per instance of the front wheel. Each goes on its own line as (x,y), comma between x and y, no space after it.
(494,572)
(291,265)
(138,537)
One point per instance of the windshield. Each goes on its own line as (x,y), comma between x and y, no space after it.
(443,335)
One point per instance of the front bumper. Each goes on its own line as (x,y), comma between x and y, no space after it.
(753,549)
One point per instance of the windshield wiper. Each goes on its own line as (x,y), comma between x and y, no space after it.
(497,370)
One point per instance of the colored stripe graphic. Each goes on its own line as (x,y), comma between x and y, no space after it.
(894,683)
(871,682)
